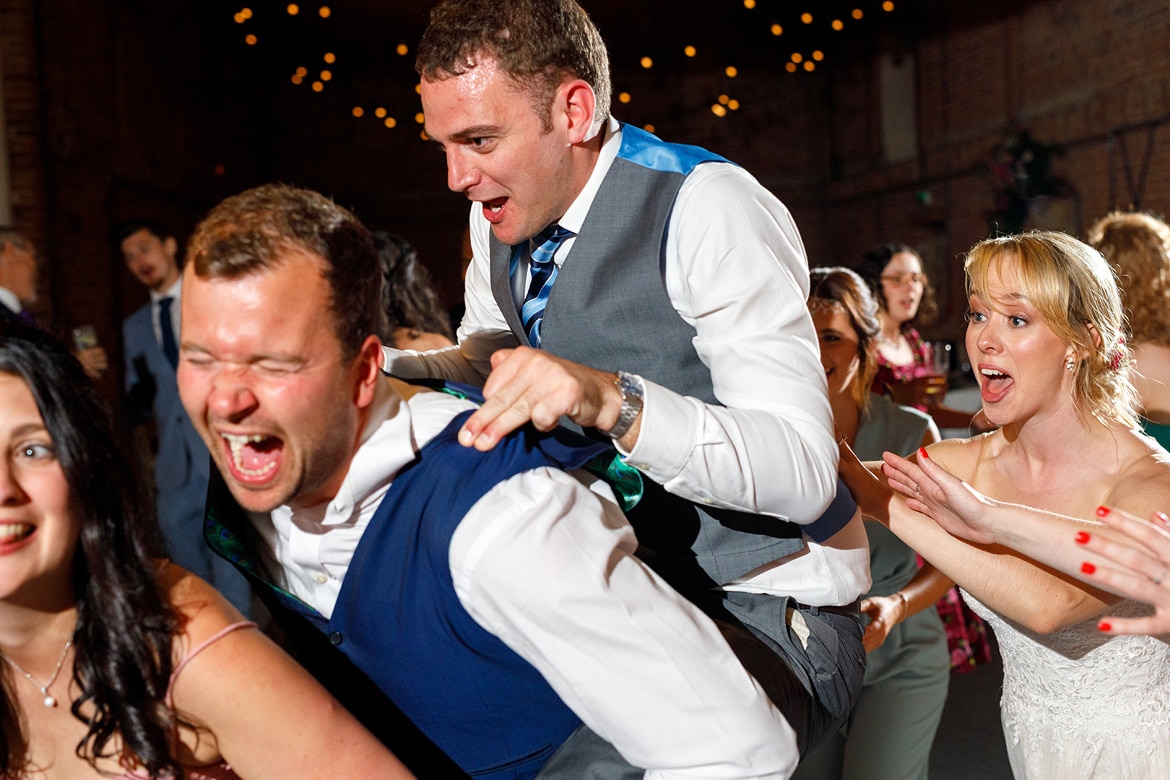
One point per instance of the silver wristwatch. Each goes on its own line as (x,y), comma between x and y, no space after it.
(630,386)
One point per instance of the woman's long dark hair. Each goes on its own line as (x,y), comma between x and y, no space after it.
(125,625)
(408,298)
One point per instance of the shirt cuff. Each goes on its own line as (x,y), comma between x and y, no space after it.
(668,433)
(402,364)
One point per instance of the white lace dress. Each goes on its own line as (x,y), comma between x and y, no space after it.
(1081,704)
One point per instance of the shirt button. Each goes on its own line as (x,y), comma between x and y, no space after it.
(335,638)
(322,578)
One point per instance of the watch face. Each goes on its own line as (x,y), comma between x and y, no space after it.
(630,386)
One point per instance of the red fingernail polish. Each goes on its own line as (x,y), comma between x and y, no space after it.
(1102,511)
(1082,537)
(1104,625)
(1088,568)
(922,453)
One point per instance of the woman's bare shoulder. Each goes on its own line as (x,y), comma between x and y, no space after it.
(1143,483)
(960,456)
(201,610)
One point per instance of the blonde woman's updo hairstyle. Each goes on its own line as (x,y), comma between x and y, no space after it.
(1138,247)
(1076,291)
(841,288)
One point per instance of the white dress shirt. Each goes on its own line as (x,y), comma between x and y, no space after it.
(546,564)
(735,270)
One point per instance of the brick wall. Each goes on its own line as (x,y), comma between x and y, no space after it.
(1091,76)
(131,107)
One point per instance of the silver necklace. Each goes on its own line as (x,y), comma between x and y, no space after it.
(49,701)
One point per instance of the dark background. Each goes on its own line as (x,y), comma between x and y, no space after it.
(118,108)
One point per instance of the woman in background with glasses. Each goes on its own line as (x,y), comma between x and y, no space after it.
(905,302)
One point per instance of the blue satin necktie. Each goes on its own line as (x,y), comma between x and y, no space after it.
(169,347)
(544,273)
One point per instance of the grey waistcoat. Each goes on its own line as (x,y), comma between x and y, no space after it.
(609,309)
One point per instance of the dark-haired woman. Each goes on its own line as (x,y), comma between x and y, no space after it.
(413,317)
(115,663)
(890,731)
(905,299)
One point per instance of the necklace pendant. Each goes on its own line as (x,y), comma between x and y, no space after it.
(50,702)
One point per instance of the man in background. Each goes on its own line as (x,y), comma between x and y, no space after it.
(181,463)
(18,291)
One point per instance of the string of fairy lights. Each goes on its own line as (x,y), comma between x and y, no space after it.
(317,75)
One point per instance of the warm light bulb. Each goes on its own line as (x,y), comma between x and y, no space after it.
(302,71)
(329,58)
(806,18)
(838,25)
(777,29)
(380,112)
(402,49)
(809,65)
(790,67)
(390,122)
(796,57)
(718,110)
(418,88)
(624,97)
(648,128)
(749,4)
(857,13)
(246,13)
(318,86)
(689,51)
(818,55)
(297,78)
(731,71)
(887,6)
(293,9)
(419,117)
(724,99)
(647,62)
(250,39)
(358,111)
(324,11)
(240,18)
(733,104)
(326,75)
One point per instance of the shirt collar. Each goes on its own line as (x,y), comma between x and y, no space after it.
(171,292)
(574,217)
(9,300)
(385,447)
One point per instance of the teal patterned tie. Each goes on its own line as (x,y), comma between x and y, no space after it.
(544,273)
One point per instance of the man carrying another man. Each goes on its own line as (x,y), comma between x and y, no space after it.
(492,596)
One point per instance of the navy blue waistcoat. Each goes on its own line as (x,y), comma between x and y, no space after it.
(398,619)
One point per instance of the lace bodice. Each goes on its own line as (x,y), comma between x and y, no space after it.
(1081,704)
